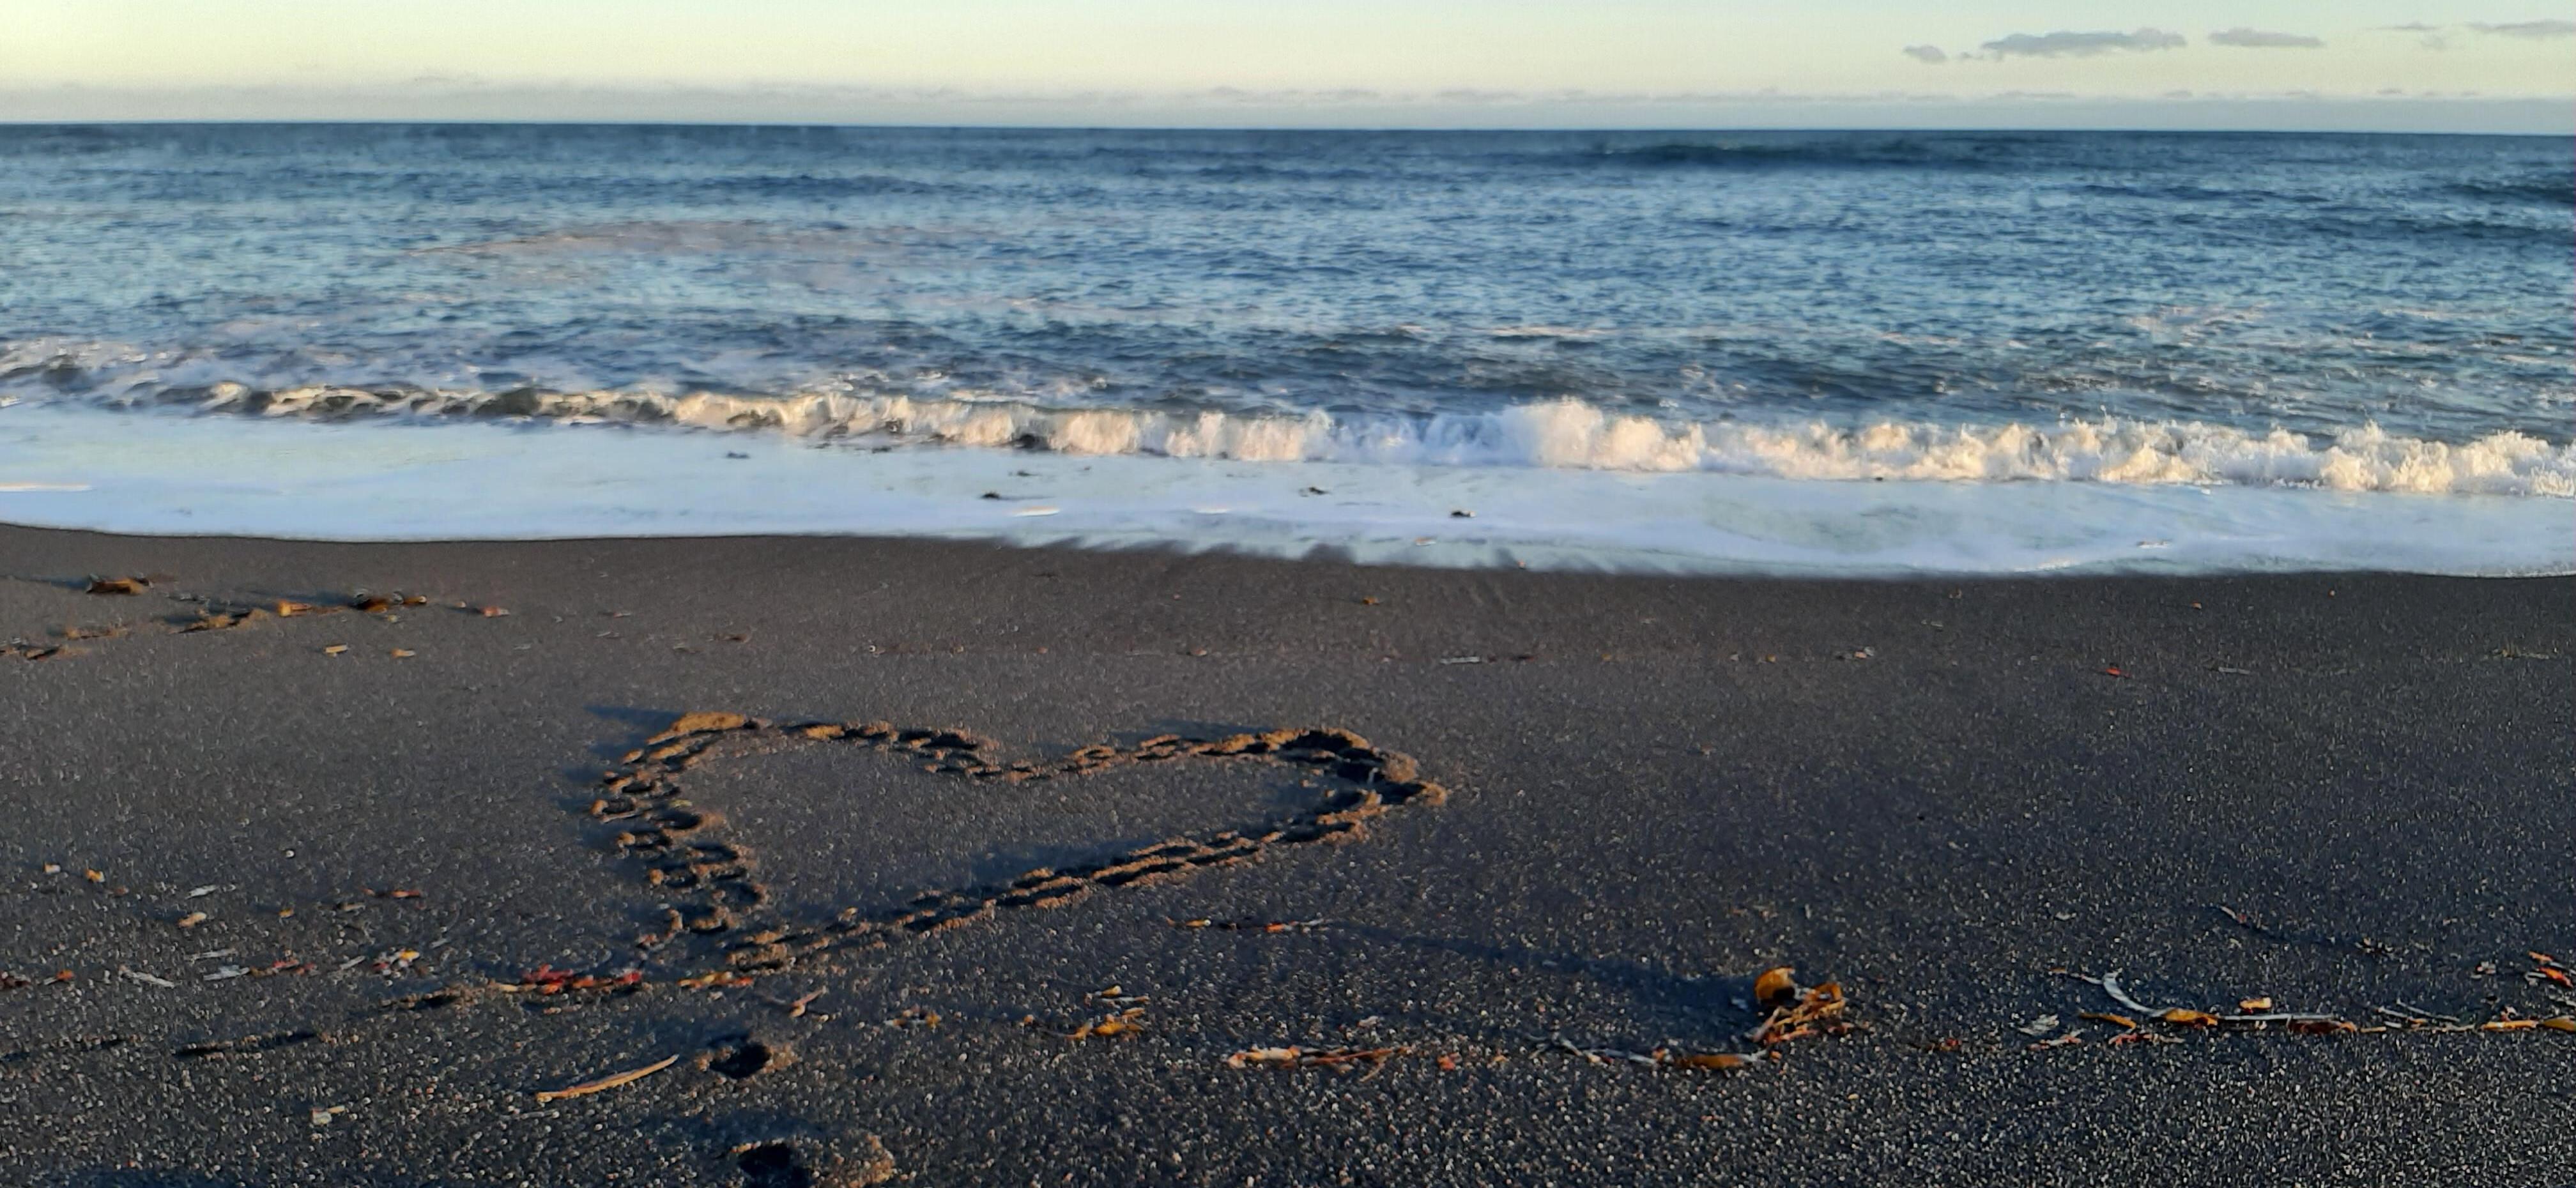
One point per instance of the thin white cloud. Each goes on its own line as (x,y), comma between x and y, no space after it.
(2068,44)
(2244,38)
(2529,30)
(1928,54)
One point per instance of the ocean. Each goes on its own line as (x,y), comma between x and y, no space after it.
(1857,352)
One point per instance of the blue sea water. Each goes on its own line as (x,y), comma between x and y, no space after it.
(2107,325)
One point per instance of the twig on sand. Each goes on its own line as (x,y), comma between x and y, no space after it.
(1604,1055)
(611,1081)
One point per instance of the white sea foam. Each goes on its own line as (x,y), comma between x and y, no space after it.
(365,479)
(1565,434)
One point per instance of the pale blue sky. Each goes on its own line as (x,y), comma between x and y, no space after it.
(2454,64)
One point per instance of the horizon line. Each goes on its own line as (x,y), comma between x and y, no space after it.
(1397,129)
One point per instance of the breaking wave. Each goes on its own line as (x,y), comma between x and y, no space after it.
(1563,434)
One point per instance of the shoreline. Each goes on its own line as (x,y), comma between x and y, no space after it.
(427,480)
(2342,791)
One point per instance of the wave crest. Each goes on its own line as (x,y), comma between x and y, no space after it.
(1562,434)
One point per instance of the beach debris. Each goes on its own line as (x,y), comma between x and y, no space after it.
(1708,1061)
(322,1115)
(1658,1058)
(373,604)
(1600,1055)
(1460,513)
(1801,1012)
(797,1007)
(94,876)
(2126,1038)
(2545,968)
(2069,1039)
(2114,671)
(491,612)
(1342,1059)
(136,975)
(214,620)
(1116,996)
(1253,925)
(1462,660)
(2259,1013)
(193,919)
(916,1016)
(287,608)
(334,649)
(404,653)
(118,585)
(1775,986)
(603,1084)
(546,979)
(2039,1026)
(396,893)
(208,889)
(1111,1026)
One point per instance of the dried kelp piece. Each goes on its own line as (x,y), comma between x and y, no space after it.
(547,980)
(1296,1057)
(1111,1026)
(1816,1010)
(221,620)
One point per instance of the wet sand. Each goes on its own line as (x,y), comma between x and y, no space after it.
(353,910)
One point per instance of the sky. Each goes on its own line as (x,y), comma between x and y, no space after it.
(2438,65)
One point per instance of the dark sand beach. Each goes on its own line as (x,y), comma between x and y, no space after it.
(333,890)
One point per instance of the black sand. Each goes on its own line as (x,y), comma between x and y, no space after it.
(1934,793)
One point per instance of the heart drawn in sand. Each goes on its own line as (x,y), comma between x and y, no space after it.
(713,882)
